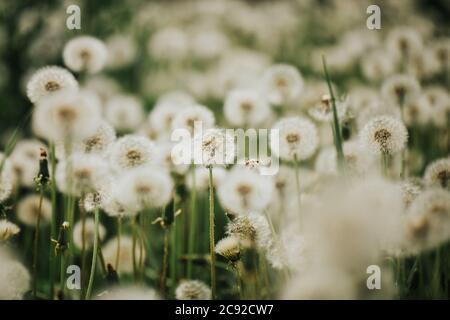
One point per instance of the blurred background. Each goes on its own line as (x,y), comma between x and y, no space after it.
(203,47)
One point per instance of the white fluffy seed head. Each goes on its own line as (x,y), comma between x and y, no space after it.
(214,147)
(428,220)
(246,107)
(81,173)
(281,84)
(124,113)
(66,116)
(437,173)
(400,88)
(145,187)
(192,290)
(7,230)
(132,151)
(28,210)
(89,233)
(244,191)
(229,248)
(298,138)
(187,118)
(125,253)
(129,293)
(49,80)
(25,160)
(384,135)
(85,53)
(14,278)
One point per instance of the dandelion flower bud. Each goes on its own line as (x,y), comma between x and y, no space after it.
(49,80)
(7,230)
(384,135)
(85,53)
(28,210)
(298,138)
(192,290)
(229,248)
(437,174)
(89,233)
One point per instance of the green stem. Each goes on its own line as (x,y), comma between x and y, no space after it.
(211,234)
(36,244)
(192,224)
(337,129)
(54,223)
(297,181)
(94,256)
(164,262)
(119,231)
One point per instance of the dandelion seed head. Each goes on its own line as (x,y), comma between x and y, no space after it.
(298,138)
(214,147)
(229,248)
(428,223)
(124,113)
(49,80)
(28,210)
(89,233)
(246,107)
(125,254)
(161,117)
(187,118)
(400,88)
(192,290)
(85,53)
(384,134)
(14,279)
(437,173)
(404,42)
(244,191)
(132,151)
(281,83)
(129,293)
(8,230)
(323,111)
(69,116)
(121,51)
(81,173)
(25,160)
(142,188)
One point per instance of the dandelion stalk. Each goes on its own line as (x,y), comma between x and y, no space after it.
(192,224)
(297,180)
(133,246)
(54,222)
(36,244)
(119,231)
(211,234)
(165,261)
(94,255)
(336,127)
